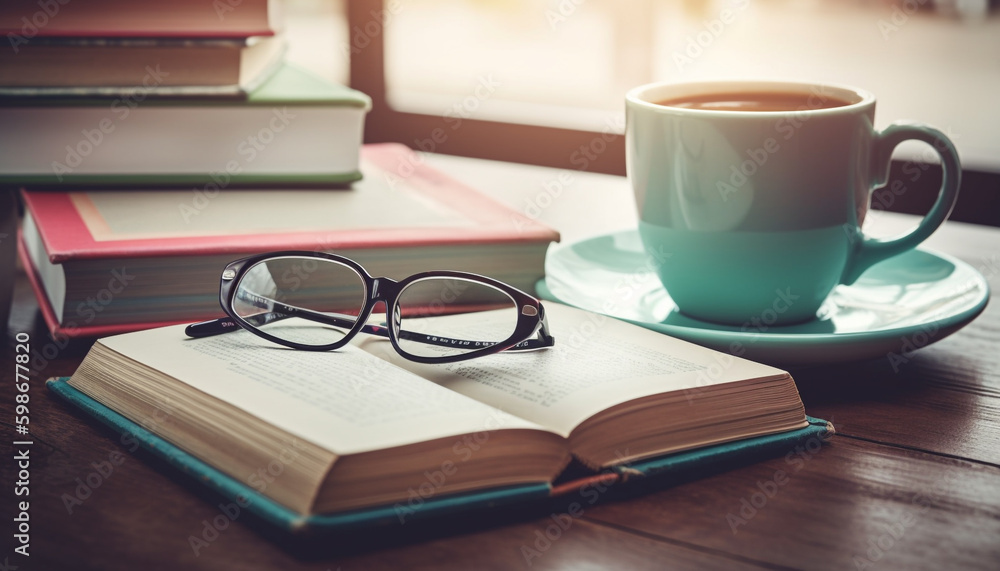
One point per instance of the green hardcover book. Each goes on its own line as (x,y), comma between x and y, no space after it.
(328,441)
(294,129)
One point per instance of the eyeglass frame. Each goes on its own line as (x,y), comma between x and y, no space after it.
(530,311)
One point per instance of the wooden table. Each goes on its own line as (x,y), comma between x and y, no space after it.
(910,481)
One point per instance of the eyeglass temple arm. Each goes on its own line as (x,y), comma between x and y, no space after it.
(284,311)
(279,312)
(211,327)
(227,324)
(541,341)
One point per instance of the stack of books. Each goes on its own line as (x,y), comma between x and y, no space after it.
(137,92)
(114,47)
(154,144)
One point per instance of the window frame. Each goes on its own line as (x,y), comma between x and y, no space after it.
(537,145)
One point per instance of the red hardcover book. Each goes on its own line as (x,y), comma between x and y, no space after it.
(22,20)
(104,262)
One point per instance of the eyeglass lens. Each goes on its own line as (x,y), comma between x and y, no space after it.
(310,301)
(441,317)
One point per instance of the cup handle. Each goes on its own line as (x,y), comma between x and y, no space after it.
(867,251)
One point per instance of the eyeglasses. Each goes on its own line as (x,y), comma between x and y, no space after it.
(319,302)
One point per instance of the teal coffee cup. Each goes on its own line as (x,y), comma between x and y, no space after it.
(751,194)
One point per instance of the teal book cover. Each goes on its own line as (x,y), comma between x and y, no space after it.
(651,473)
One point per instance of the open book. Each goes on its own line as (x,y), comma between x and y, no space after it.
(322,432)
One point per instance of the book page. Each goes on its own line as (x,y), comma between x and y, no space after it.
(346,401)
(597,362)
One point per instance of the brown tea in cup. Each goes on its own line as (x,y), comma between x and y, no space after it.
(755,101)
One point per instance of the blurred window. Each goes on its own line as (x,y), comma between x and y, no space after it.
(560,68)
(568,63)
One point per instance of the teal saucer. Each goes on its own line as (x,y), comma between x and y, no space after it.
(896,307)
